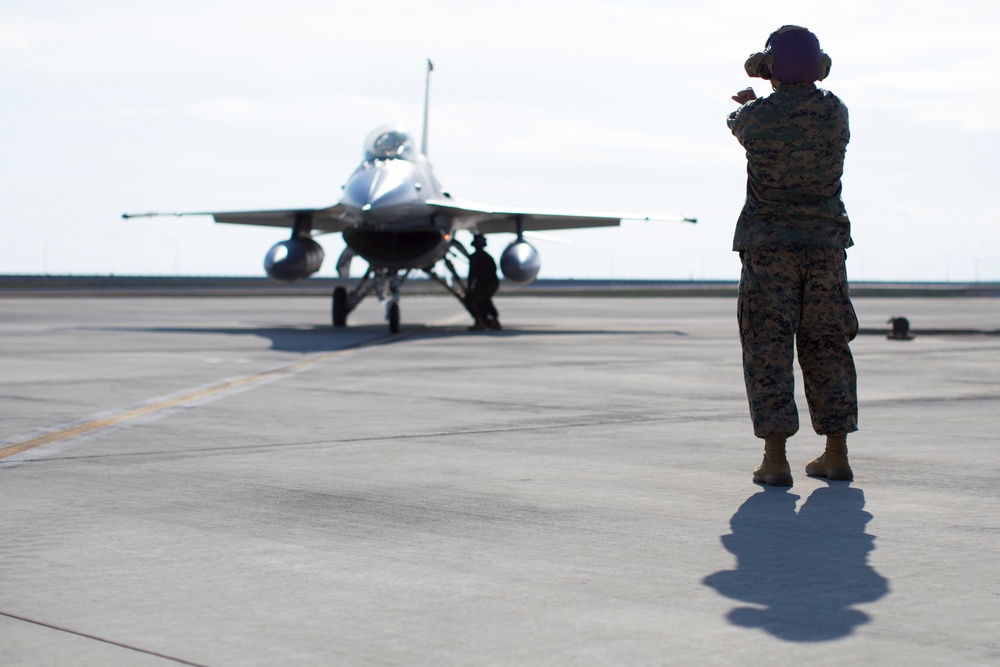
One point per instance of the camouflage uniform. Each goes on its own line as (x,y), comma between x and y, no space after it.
(791,236)
(483,284)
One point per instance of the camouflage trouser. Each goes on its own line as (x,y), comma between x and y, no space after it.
(797,296)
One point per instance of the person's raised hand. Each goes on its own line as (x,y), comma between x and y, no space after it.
(744,96)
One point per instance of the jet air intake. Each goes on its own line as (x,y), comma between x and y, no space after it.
(292,260)
(397,249)
(520,262)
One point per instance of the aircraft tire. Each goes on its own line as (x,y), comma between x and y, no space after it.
(394,318)
(340,307)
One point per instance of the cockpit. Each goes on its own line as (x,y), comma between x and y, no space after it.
(389,142)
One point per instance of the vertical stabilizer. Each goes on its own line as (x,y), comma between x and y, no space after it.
(427,97)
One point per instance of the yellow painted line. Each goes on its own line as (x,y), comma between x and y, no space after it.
(128,415)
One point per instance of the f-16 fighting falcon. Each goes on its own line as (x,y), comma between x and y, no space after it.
(394,215)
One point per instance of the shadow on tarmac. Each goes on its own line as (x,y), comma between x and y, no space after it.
(804,570)
(324,338)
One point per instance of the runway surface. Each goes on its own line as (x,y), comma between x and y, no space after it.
(215,482)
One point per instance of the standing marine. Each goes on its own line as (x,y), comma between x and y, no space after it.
(792,236)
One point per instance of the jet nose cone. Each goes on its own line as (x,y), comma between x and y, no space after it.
(381,187)
(388,188)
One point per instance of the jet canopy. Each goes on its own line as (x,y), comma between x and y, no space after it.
(389,142)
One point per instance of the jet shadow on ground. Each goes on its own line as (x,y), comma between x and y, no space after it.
(324,338)
(804,570)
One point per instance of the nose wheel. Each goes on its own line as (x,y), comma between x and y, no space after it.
(340,307)
(387,288)
(392,314)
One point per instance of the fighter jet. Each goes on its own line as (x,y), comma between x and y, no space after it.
(394,215)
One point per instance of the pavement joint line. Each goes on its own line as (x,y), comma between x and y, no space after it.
(102,639)
(389,438)
(219,390)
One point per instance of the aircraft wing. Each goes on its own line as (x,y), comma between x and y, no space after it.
(332,219)
(488,221)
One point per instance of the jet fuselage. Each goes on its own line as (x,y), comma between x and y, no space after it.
(386,196)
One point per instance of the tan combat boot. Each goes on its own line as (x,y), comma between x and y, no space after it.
(833,463)
(774,470)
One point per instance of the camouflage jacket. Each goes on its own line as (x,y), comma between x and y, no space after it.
(795,139)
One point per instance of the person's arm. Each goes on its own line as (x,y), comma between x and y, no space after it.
(744,97)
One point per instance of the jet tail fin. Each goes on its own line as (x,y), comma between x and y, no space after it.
(427,96)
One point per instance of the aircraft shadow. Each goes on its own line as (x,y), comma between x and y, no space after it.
(804,571)
(325,338)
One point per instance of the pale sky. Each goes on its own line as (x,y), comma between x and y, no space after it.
(615,105)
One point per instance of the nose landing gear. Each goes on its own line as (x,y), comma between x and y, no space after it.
(392,314)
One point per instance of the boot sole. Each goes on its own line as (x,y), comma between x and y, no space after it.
(779,479)
(838,475)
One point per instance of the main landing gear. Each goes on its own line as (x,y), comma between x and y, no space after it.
(385,284)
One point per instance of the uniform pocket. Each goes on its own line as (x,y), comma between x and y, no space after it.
(850,316)
(748,310)
(827,309)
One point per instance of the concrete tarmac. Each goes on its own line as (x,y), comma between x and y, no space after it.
(219,482)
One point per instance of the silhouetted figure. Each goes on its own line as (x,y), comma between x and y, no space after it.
(483,284)
(804,571)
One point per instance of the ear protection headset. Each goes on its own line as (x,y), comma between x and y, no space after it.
(761,64)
